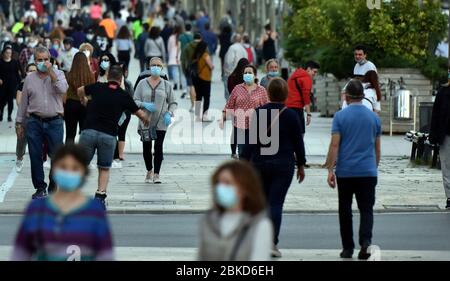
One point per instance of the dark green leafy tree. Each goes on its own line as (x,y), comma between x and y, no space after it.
(403,33)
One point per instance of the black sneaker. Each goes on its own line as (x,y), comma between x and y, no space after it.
(448,204)
(102,198)
(363,254)
(40,193)
(9,119)
(346,254)
(183,95)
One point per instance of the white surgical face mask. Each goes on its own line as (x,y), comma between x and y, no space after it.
(87,53)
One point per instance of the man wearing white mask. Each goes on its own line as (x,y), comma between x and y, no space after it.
(362,64)
(66,55)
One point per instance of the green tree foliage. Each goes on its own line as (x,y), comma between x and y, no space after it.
(403,33)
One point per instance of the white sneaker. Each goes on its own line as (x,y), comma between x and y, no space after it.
(116,164)
(149,177)
(19,165)
(156,179)
(47,164)
(276,252)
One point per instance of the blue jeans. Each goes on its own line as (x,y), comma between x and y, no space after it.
(174,74)
(37,131)
(225,85)
(276,176)
(104,144)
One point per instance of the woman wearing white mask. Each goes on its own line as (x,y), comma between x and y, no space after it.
(88,50)
(272,70)
(155,95)
(237,227)
(106,61)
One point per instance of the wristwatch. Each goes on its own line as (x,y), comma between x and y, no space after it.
(309,114)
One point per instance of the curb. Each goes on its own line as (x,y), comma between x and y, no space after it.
(299,212)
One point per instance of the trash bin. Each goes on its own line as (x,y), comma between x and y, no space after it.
(425,112)
(403,105)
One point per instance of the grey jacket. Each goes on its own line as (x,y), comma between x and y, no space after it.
(164,100)
(235,247)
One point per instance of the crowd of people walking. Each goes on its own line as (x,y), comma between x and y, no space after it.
(63,74)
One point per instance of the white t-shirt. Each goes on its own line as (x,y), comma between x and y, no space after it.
(361,70)
(370,99)
(124,44)
(232,57)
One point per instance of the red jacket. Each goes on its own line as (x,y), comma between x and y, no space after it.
(304,81)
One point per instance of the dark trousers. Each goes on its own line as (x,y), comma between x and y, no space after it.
(239,138)
(203,92)
(364,190)
(124,57)
(122,134)
(276,177)
(37,132)
(7,98)
(159,154)
(74,117)
(301,116)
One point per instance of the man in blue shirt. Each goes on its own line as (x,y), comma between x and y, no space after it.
(355,149)
(210,38)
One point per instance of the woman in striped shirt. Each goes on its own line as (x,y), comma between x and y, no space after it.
(66,226)
(244,99)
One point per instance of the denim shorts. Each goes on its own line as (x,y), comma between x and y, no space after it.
(104,144)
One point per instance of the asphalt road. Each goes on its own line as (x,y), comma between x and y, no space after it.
(413,231)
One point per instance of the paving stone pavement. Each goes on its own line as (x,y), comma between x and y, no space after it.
(186,187)
(189,137)
(191,158)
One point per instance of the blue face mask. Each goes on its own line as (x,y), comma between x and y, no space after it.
(155,71)
(41,67)
(226,196)
(273,74)
(104,65)
(249,78)
(67,181)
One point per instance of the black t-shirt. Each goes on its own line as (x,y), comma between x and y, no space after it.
(105,108)
(20,86)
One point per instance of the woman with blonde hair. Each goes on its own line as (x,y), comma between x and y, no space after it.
(74,112)
(272,71)
(88,50)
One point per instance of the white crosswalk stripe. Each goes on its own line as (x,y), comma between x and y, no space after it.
(189,254)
